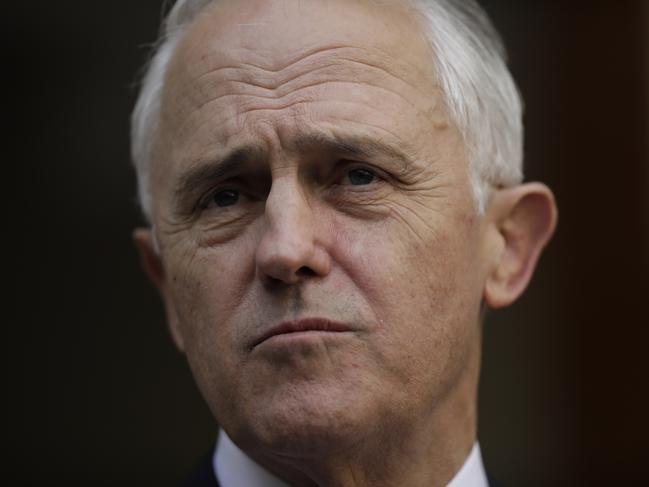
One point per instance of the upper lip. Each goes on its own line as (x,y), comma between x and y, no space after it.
(304,324)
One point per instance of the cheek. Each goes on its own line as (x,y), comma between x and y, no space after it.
(421,293)
(394,267)
(208,286)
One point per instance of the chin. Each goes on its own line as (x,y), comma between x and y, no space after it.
(306,421)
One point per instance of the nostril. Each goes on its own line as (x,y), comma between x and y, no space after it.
(280,280)
(305,271)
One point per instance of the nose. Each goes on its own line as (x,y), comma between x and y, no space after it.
(291,248)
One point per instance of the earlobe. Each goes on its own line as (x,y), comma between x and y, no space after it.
(152,265)
(525,218)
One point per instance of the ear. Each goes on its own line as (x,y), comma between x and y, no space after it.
(152,265)
(520,222)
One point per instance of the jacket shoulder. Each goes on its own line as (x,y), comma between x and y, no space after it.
(203,474)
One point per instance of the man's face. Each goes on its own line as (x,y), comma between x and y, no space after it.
(307,177)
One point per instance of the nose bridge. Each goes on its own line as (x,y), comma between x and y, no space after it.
(289,249)
(288,211)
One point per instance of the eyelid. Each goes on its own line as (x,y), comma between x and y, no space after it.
(350,165)
(204,202)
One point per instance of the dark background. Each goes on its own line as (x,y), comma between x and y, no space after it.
(96,393)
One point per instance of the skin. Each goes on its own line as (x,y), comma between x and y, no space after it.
(300,101)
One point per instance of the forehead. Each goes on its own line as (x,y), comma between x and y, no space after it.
(350,64)
(273,32)
(273,45)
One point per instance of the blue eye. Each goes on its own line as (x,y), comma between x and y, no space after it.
(360,177)
(226,197)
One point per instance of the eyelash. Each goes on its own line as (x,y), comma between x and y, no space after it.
(380,176)
(207,201)
(348,171)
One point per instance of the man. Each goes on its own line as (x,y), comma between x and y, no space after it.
(334,197)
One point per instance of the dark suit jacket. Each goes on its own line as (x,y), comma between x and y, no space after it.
(204,476)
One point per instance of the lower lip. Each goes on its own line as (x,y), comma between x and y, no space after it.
(304,337)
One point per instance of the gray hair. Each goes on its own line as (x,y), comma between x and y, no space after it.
(470,61)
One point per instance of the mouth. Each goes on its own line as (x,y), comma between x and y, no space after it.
(304,326)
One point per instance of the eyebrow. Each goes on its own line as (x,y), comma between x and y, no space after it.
(207,171)
(352,146)
(203,172)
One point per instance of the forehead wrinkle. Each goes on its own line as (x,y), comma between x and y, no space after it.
(253,96)
(264,66)
(336,52)
(299,58)
(215,38)
(296,106)
(250,102)
(274,80)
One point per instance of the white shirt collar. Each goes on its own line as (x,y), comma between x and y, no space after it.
(472,473)
(233,468)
